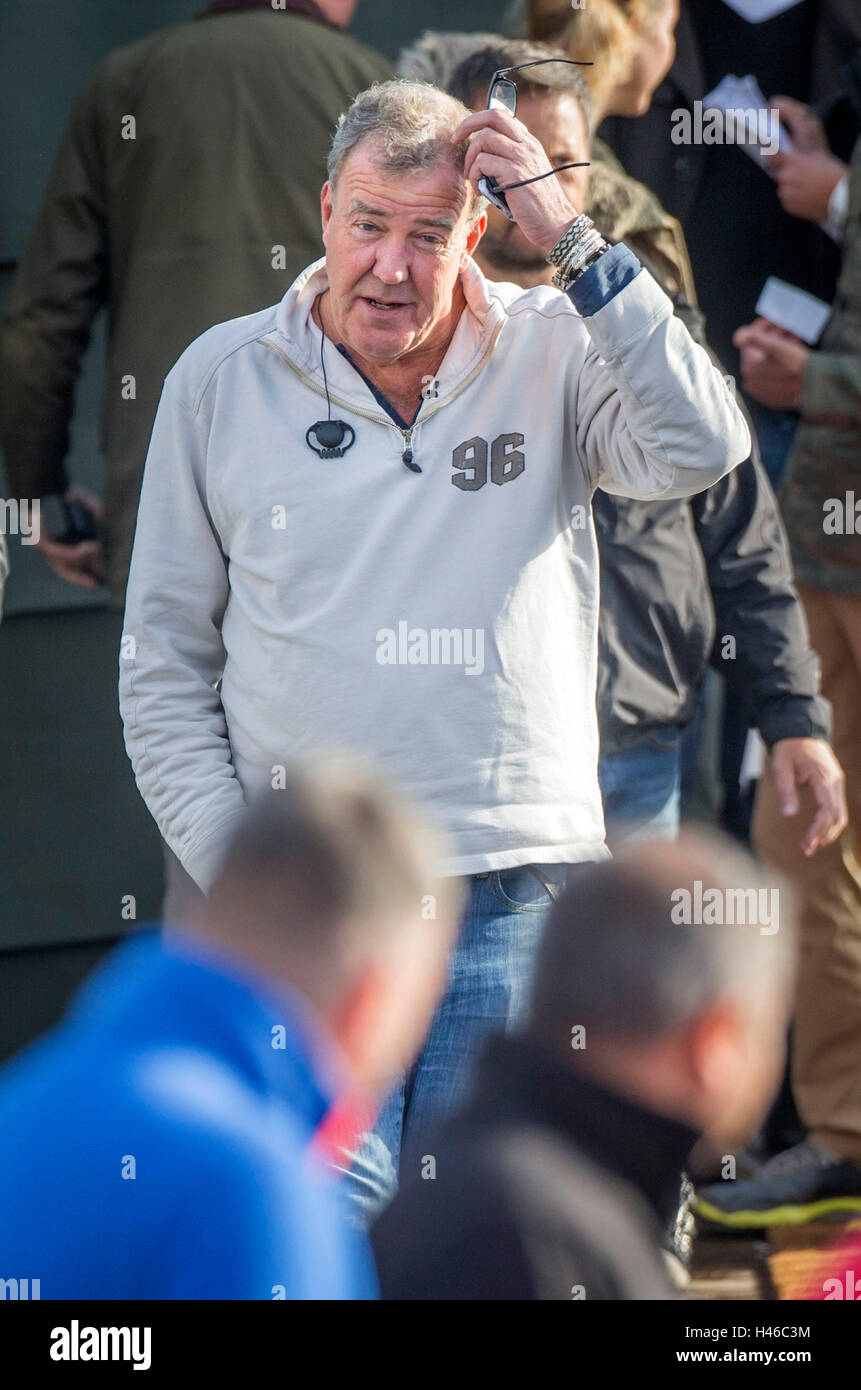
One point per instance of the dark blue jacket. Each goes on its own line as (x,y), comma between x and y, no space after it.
(155,1144)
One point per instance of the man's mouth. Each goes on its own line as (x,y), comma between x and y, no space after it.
(388,304)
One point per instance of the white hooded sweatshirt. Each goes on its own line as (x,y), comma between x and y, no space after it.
(443,621)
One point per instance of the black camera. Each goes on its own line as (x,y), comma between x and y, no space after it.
(67,522)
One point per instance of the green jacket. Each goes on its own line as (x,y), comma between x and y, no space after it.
(822,484)
(185,192)
(625,210)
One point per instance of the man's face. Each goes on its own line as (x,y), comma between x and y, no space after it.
(395,246)
(557,121)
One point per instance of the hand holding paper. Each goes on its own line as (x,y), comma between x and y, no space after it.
(772,364)
(792,309)
(806,180)
(802,125)
(748,120)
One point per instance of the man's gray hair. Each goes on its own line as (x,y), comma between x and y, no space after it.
(640,945)
(411,125)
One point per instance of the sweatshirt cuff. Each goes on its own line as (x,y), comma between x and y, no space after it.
(603,280)
(799,716)
(204,861)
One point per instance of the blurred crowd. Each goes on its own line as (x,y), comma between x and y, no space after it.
(523,1040)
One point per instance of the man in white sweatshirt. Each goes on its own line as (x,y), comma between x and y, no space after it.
(366,522)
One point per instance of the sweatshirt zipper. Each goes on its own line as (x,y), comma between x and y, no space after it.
(407,456)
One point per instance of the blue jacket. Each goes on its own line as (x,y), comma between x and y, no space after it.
(155,1144)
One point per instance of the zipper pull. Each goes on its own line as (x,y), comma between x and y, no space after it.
(407,455)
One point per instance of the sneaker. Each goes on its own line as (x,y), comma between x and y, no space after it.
(799,1185)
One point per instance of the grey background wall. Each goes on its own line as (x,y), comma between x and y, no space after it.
(75,839)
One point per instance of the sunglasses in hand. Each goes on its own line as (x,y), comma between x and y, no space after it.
(502,96)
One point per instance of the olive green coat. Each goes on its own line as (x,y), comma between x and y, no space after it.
(185,192)
(821,492)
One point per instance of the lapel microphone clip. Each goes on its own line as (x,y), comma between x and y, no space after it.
(329,436)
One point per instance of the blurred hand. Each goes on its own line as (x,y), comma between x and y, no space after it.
(801,125)
(78,564)
(503,148)
(799,762)
(805,182)
(772,364)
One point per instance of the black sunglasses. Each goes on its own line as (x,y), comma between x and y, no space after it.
(502,96)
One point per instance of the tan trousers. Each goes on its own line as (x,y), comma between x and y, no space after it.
(826,1063)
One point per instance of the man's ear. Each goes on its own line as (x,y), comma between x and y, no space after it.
(713,1045)
(355,1022)
(325,207)
(474,237)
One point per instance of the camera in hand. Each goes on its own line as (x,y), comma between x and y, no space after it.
(67,522)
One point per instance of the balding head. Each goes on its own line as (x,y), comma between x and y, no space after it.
(643,953)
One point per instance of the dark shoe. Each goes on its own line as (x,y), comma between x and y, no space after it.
(802,1184)
(707,1170)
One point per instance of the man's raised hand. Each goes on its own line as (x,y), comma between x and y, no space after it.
(502,148)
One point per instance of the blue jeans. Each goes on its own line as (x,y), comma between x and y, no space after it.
(775,431)
(489,973)
(641,788)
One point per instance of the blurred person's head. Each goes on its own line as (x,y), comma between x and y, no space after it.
(676,961)
(435,56)
(338,12)
(328,886)
(399,222)
(631,44)
(553,103)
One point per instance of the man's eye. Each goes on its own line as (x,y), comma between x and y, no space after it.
(430,239)
(366,226)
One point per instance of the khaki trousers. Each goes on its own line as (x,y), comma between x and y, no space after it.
(826,1063)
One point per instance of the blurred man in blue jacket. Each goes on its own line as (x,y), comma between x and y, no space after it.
(164,1141)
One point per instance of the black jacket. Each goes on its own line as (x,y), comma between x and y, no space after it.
(689,582)
(546,1186)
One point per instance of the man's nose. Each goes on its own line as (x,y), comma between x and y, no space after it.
(392,265)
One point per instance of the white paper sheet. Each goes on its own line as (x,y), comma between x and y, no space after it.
(793,309)
(734,94)
(756,11)
(753,759)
